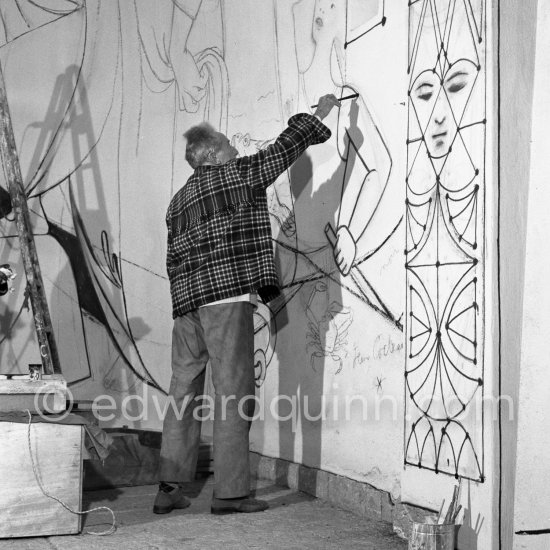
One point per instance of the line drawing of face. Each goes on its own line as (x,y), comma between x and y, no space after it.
(440,103)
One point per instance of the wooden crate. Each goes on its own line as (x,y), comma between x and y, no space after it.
(18,393)
(57,452)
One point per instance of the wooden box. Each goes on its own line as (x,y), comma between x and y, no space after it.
(18,393)
(57,450)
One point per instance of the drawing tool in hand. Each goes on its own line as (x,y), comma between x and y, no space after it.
(352,96)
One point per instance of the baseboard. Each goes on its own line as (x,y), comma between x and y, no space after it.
(349,494)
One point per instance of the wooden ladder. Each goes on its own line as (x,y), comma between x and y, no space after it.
(35,286)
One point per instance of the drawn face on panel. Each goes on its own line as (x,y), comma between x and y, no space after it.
(439,104)
(329,19)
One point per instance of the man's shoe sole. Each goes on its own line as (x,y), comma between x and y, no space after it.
(223,511)
(234,510)
(162,509)
(167,509)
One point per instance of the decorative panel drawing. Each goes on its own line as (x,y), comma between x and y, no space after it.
(444,253)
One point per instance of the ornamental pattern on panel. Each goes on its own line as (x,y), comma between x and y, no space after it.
(445,235)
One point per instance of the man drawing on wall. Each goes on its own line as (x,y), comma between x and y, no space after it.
(219,256)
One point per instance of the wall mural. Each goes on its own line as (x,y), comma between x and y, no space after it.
(98,117)
(445,237)
(330,222)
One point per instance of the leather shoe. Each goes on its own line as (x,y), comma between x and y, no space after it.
(165,501)
(239,505)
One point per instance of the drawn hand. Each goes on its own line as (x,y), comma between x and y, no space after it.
(190,81)
(325,105)
(344,250)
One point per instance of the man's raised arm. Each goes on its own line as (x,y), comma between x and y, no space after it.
(263,168)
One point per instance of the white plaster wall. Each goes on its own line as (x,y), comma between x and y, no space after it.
(99,93)
(106,102)
(330,344)
(532,501)
(329,341)
(516,76)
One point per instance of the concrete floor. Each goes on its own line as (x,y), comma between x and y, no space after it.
(294,521)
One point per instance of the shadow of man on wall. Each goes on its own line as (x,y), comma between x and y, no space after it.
(309,408)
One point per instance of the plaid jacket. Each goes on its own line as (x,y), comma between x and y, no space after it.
(219,234)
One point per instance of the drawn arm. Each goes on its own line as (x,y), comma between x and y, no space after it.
(368,166)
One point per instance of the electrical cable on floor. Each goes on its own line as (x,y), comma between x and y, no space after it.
(109,531)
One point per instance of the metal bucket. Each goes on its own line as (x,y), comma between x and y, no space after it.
(428,536)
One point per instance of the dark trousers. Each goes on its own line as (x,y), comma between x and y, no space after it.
(224,334)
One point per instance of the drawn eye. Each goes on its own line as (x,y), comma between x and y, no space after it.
(458,80)
(454,87)
(424,92)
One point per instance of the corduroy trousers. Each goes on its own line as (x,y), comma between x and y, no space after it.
(223,333)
